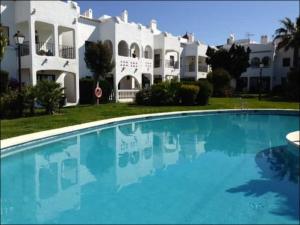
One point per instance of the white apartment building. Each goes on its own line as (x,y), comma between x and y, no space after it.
(55,45)
(276,63)
(54,48)
(50,49)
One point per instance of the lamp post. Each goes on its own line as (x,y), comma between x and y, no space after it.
(19,39)
(261,65)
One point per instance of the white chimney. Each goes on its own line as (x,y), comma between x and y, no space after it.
(124,16)
(264,39)
(191,37)
(153,25)
(230,40)
(88,13)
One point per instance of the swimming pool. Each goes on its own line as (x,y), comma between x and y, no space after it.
(199,168)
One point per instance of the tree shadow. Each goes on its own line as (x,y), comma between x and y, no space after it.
(280,175)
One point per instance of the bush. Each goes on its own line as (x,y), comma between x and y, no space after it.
(188,94)
(86,91)
(293,85)
(3,81)
(143,97)
(220,80)
(29,96)
(11,104)
(13,84)
(87,87)
(205,91)
(49,95)
(161,95)
(278,90)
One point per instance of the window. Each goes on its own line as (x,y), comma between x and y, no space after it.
(5,32)
(46,77)
(255,62)
(172,61)
(266,61)
(286,62)
(157,60)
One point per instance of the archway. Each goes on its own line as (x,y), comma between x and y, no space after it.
(148,52)
(128,83)
(70,87)
(123,48)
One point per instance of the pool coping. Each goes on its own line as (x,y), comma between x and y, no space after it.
(293,138)
(27,138)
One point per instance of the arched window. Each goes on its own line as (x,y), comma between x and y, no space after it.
(123,48)
(134,50)
(148,52)
(266,61)
(255,62)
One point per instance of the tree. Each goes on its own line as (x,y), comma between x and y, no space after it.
(3,43)
(49,95)
(235,60)
(220,80)
(289,37)
(239,60)
(98,58)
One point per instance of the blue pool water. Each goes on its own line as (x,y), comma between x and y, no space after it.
(218,168)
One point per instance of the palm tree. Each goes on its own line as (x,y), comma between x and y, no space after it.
(289,37)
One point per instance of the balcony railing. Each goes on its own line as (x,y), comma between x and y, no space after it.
(45,48)
(24,48)
(172,64)
(190,68)
(67,52)
(127,94)
(202,68)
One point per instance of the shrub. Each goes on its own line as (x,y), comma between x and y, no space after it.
(143,97)
(278,90)
(13,84)
(220,80)
(49,95)
(188,94)
(205,91)
(29,96)
(86,91)
(3,81)
(161,95)
(293,85)
(11,104)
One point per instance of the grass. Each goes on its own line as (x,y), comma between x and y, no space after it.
(83,114)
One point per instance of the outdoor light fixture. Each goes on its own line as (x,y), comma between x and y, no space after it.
(19,39)
(261,65)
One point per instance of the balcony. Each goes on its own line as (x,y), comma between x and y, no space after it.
(24,48)
(45,48)
(171,64)
(202,68)
(66,52)
(190,68)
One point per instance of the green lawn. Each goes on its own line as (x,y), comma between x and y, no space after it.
(82,114)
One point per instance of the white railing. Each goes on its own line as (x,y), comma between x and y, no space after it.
(127,94)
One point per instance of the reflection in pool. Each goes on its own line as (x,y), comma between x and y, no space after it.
(226,168)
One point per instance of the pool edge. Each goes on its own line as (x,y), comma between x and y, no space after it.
(22,139)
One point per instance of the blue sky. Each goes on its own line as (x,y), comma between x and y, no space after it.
(211,21)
